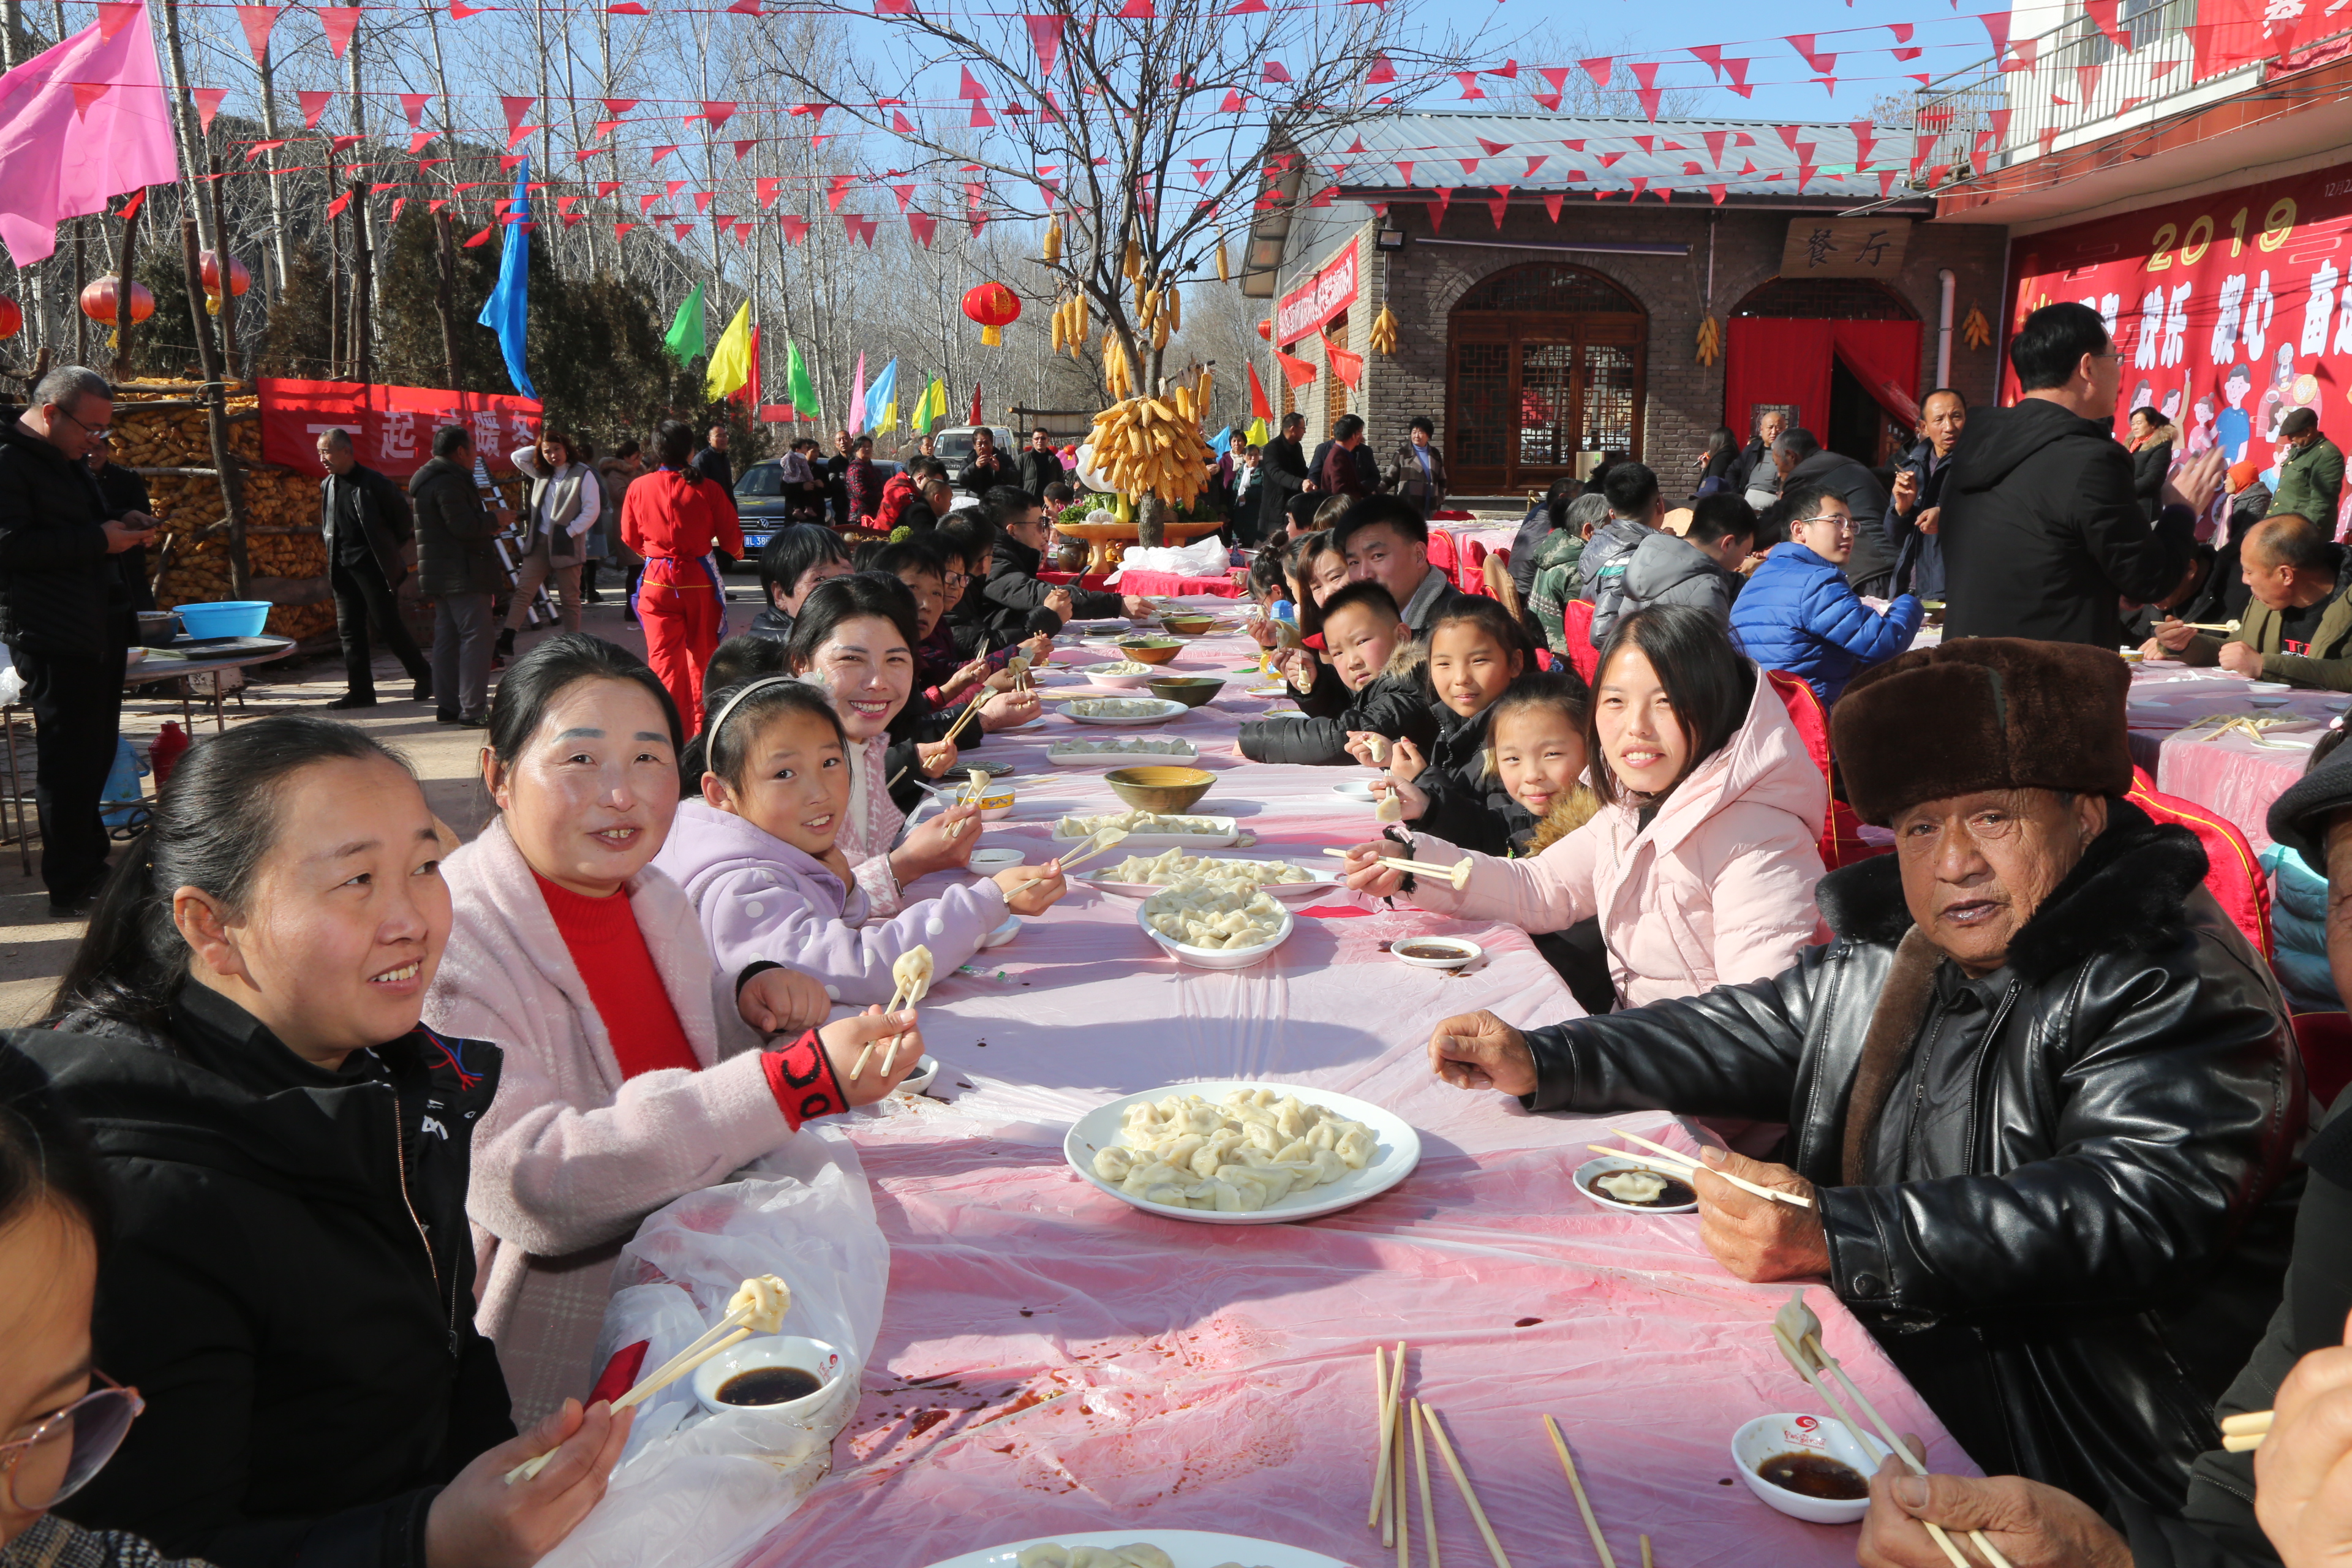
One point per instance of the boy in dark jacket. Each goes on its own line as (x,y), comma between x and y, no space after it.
(1362,636)
(1015,594)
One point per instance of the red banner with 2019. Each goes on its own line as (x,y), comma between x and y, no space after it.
(2228,309)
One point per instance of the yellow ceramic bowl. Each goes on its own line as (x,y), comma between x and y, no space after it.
(1166,790)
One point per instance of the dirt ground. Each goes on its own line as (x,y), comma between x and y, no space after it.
(35,948)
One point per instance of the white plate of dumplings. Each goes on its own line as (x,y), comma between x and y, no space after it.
(1143,1549)
(1396,1150)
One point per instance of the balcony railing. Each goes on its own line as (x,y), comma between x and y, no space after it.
(2080,87)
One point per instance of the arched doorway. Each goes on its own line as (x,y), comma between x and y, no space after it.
(1544,363)
(1837,355)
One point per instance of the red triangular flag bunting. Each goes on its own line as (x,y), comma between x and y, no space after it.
(257,21)
(341,22)
(314,104)
(208,102)
(1598,68)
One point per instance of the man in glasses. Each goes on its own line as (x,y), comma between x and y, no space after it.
(2042,535)
(65,615)
(1799,613)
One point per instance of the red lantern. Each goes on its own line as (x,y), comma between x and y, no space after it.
(98,301)
(11,318)
(994,307)
(1265,330)
(241,279)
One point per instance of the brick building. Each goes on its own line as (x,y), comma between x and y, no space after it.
(1541,321)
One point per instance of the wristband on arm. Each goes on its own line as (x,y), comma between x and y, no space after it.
(801,1076)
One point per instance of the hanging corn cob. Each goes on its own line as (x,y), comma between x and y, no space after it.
(1174,305)
(1384,332)
(1054,242)
(1224,270)
(1133,266)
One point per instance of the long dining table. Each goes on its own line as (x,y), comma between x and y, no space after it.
(1054,1360)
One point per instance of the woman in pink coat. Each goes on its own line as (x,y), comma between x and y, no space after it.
(634,1070)
(1701,860)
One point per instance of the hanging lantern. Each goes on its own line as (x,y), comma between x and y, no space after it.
(1265,330)
(98,300)
(241,279)
(994,307)
(11,318)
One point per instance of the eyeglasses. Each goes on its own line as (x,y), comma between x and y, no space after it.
(58,1455)
(1842,524)
(95,432)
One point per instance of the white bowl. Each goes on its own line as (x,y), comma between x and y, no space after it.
(818,1359)
(1767,1436)
(1001,934)
(990,862)
(1606,1164)
(1461,952)
(1191,1548)
(2268,686)
(1124,682)
(1217,957)
(995,804)
(1356,789)
(920,1078)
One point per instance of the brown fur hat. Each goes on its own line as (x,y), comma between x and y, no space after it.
(1982,713)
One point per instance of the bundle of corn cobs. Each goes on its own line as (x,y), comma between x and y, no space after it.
(196,569)
(1154,445)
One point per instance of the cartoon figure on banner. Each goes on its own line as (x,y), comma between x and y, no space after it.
(2233,429)
(2200,431)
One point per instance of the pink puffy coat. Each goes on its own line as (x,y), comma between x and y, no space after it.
(1717,889)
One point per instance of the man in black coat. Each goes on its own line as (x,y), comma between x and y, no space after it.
(1282,472)
(1018,603)
(987,468)
(125,490)
(2042,1096)
(457,567)
(1040,465)
(1913,512)
(2043,533)
(1361,477)
(364,519)
(66,616)
(1798,455)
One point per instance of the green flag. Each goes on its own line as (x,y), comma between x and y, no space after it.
(685,338)
(930,408)
(797,378)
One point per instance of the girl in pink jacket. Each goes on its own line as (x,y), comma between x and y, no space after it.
(635,1070)
(1701,860)
(759,857)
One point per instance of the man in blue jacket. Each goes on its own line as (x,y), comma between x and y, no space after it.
(1799,613)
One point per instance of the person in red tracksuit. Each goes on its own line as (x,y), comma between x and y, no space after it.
(674,517)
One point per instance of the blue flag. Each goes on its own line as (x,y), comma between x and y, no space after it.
(880,398)
(508,309)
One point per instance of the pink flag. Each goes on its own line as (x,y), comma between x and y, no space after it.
(60,166)
(857,396)
(1045,38)
(314,104)
(208,102)
(341,22)
(413,105)
(257,21)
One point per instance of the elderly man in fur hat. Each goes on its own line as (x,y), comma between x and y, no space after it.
(2042,1094)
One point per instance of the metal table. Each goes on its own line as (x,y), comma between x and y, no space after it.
(234,653)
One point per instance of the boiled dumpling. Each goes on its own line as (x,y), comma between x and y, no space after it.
(1357,1147)
(1112,1164)
(1150,1174)
(1045,1554)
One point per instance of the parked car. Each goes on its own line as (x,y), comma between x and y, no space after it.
(953,444)
(763,506)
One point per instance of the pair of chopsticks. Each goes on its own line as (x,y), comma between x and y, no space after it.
(2245,1430)
(1672,1162)
(1104,839)
(1799,1334)
(758,1306)
(1458,873)
(906,989)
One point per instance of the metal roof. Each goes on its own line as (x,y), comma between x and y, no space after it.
(1427,150)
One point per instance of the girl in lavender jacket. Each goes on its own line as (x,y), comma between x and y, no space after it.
(759,855)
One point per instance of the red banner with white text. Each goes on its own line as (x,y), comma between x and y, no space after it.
(2228,309)
(391,426)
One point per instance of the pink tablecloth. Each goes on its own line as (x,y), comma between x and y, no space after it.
(1219,1378)
(1174,584)
(2234,775)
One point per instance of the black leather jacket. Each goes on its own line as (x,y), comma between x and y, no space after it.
(2102,1239)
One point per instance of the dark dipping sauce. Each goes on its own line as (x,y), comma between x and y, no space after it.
(1418,950)
(768,1385)
(1677,1195)
(1815,1475)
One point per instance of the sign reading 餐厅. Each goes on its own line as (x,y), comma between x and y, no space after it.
(1331,290)
(1845,247)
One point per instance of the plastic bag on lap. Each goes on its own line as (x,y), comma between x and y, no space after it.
(695,1490)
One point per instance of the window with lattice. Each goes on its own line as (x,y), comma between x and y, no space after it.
(1545,286)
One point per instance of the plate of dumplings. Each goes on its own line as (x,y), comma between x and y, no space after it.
(1151,1548)
(1242,1153)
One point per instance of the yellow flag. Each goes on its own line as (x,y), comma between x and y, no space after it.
(730,361)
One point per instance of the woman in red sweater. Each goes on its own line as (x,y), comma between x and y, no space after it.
(674,517)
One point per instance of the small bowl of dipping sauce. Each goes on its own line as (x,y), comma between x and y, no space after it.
(1808,1467)
(2267,693)
(989,862)
(1435,952)
(781,1375)
(1630,1188)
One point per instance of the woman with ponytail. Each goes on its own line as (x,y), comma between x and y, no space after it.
(288,1277)
(674,517)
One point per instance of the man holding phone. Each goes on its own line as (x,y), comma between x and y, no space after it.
(65,615)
